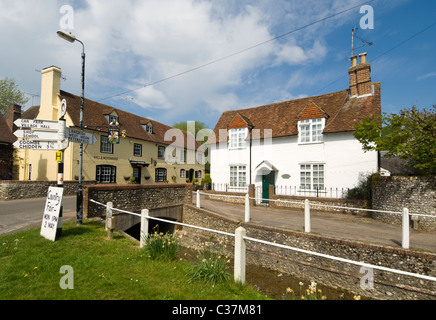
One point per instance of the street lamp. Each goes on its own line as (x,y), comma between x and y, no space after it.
(68,36)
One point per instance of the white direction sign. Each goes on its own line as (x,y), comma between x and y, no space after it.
(79,136)
(37,135)
(51,213)
(41,145)
(37,124)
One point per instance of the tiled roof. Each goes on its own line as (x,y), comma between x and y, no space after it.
(341,113)
(94,119)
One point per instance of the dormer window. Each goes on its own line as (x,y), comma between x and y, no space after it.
(112,118)
(310,130)
(237,138)
(148,127)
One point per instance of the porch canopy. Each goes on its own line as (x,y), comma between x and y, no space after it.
(265,168)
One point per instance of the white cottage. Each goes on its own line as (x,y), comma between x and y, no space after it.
(303,146)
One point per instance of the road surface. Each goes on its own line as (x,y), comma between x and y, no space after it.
(17,215)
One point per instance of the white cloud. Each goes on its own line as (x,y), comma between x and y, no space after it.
(426,76)
(131,43)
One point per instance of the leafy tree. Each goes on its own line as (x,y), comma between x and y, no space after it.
(204,133)
(10,94)
(185,126)
(411,136)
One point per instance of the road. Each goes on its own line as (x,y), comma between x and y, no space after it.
(16,215)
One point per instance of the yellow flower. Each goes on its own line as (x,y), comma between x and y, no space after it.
(26,275)
(289,290)
(35,268)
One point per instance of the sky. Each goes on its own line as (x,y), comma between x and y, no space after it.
(191,60)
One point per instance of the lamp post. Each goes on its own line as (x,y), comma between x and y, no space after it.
(79,203)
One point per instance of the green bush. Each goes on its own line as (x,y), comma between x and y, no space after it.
(363,191)
(206,180)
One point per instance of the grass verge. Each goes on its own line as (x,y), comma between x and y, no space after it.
(101,269)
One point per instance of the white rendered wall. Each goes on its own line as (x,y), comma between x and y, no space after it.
(343,157)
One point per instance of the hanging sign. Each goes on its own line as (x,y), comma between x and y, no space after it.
(114,135)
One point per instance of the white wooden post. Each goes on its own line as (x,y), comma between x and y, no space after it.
(307,216)
(109,207)
(144,227)
(406,230)
(239,271)
(247,208)
(109,221)
(198,199)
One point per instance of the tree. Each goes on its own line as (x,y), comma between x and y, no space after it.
(10,94)
(201,138)
(411,136)
(185,126)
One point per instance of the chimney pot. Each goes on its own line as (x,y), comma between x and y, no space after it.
(353,61)
(362,57)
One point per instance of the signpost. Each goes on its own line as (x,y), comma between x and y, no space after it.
(79,136)
(41,145)
(36,124)
(38,134)
(52,210)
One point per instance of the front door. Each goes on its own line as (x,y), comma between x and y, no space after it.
(267,180)
(137,175)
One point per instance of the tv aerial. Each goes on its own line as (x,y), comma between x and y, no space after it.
(354,35)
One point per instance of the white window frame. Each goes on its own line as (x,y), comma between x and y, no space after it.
(183,154)
(137,150)
(161,175)
(148,128)
(238,176)
(105,146)
(106,174)
(161,152)
(237,138)
(310,130)
(312,176)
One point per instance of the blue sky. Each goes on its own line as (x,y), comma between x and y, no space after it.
(130,44)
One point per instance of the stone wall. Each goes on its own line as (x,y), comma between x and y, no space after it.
(418,194)
(134,197)
(322,270)
(294,201)
(14,190)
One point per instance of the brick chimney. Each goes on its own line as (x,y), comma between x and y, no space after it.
(360,76)
(13,113)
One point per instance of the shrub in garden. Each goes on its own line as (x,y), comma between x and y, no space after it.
(162,246)
(211,266)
